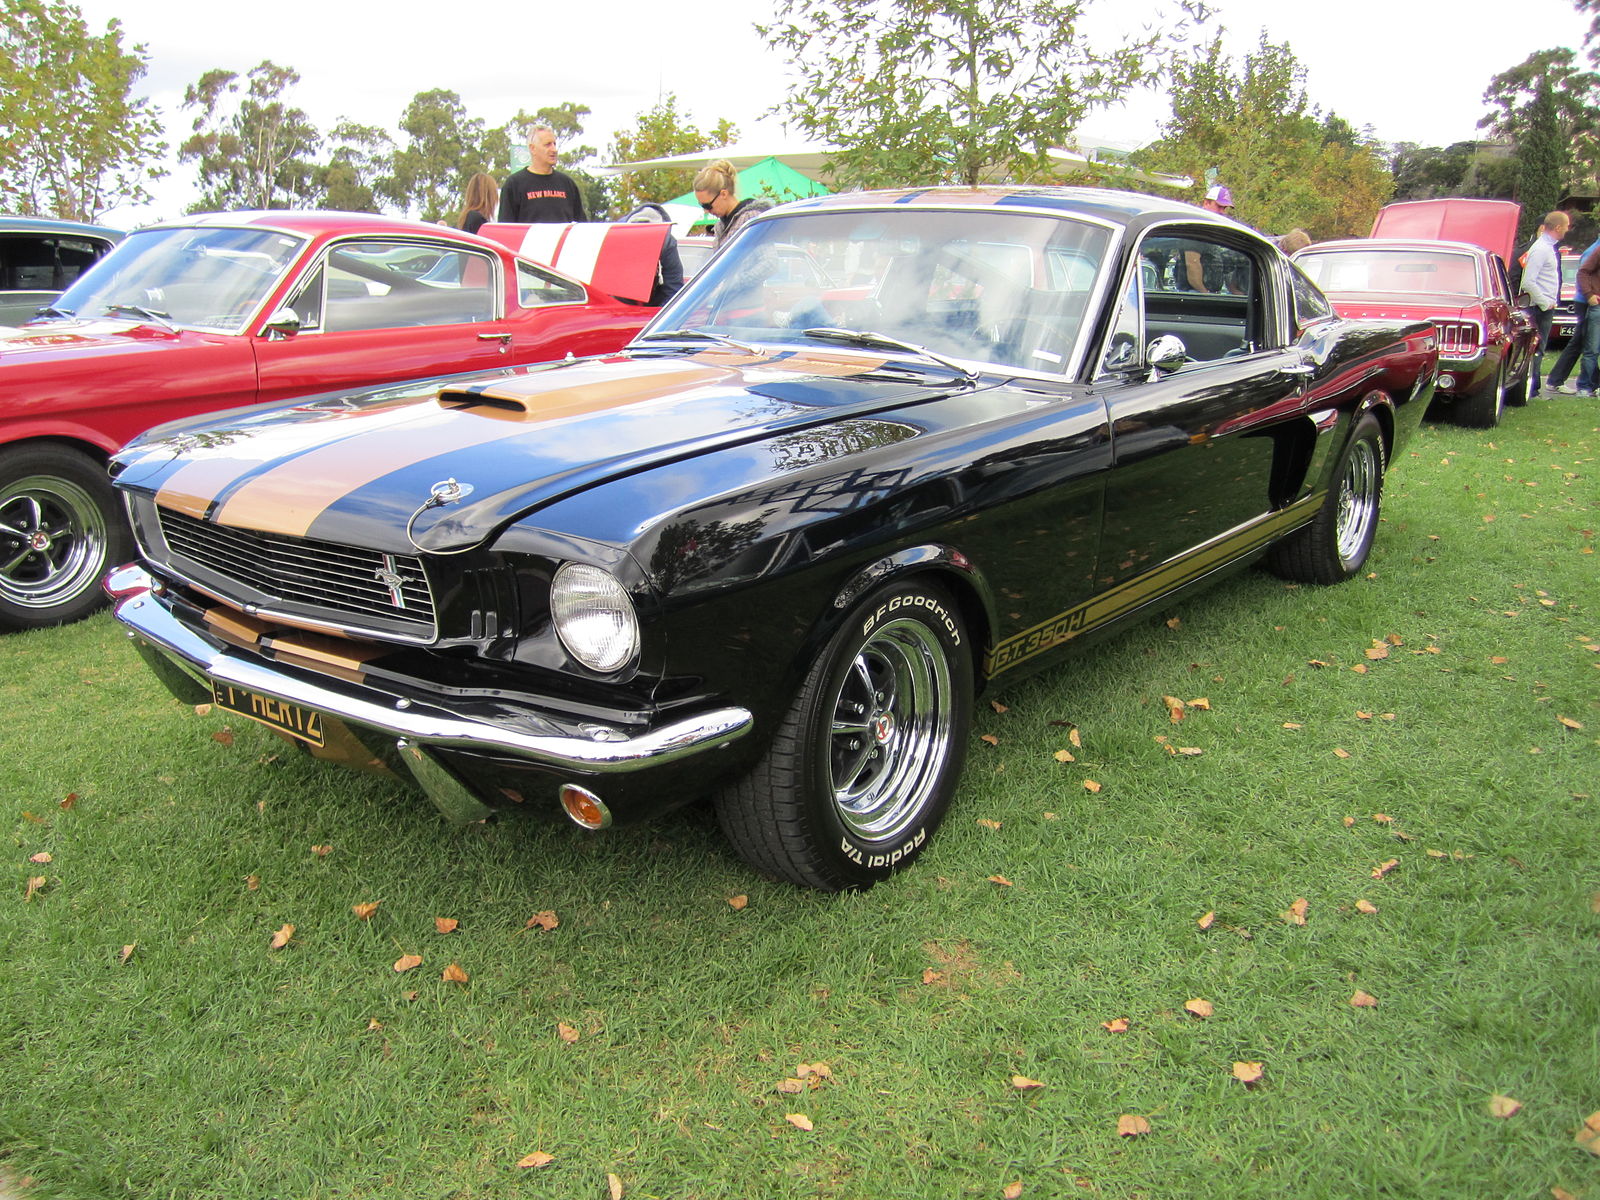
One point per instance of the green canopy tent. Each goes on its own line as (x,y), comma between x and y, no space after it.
(768,179)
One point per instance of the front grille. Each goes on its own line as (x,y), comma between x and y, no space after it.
(345,586)
(1458,338)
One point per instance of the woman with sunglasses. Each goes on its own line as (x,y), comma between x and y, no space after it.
(715,188)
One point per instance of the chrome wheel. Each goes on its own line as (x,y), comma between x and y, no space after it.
(1358,500)
(891,730)
(53,541)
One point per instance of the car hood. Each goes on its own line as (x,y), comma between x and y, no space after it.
(361,470)
(1418,307)
(67,339)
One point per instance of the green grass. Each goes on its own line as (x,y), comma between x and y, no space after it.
(209,1065)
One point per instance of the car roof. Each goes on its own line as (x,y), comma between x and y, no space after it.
(53,225)
(1390,244)
(1121,208)
(314,222)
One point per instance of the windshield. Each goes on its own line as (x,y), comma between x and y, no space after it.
(986,287)
(1407,272)
(207,278)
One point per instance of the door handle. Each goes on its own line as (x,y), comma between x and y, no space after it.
(503,338)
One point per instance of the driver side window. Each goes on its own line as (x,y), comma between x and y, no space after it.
(1195,286)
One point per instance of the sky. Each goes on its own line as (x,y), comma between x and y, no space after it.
(1409,70)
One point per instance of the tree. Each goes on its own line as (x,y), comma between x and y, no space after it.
(444,148)
(252,149)
(1549,110)
(360,157)
(1472,169)
(964,90)
(73,141)
(661,131)
(1252,126)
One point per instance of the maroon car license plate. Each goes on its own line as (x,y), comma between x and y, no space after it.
(276,714)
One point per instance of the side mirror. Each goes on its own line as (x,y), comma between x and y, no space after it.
(1166,353)
(283,323)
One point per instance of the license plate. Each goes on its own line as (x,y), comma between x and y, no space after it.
(277,714)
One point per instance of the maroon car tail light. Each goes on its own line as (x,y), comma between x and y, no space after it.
(584,807)
(1458,337)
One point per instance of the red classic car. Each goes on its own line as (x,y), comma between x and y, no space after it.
(1443,261)
(225,310)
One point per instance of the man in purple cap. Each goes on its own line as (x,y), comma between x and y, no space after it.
(1218,200)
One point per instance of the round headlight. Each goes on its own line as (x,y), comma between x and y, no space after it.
(594,617)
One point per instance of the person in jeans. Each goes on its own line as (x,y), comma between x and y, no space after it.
(1541,279)
(1589,320)
(1573,350)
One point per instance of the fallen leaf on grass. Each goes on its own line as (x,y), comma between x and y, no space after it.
(1366,906)
(127,952)
(1199,1008)
(453,974)
(1200,702)
(1012,1190)
(1001,880)
(1569,723)
(1064,756)
(1207,921)
(1383,818)
(1248,1072)
(817,1071)
(68,801)
(42,857)
(929,975)
(738,902)
(1503,1106)
(1293,725)
(1363,1000)
(537,1159)
(322,851)
(614,1186)
(407,962)
(281,938)
(990,739)
(988,823)
(1175,708)
(791,1087)
(1120,1025)
(566,1032)
(545,920)
(1295,914)
(1132,1125)
(1023,1084)
(1340,752)
(223,736)
(364,912)
(445,924)
(1588,1135)
(1558,1193)
(1073,738)
(1090,785)
(998,707)
(799,1121)
(1383,868)
(252,882)
(1349,821)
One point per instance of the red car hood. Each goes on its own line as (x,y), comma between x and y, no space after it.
(70,339)
(1388,306)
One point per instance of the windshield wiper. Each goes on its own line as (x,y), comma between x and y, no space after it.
(663,334)
(139,310)
(50,310)
(867,339)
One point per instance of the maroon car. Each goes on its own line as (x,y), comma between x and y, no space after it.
(1443,261)
(225,310)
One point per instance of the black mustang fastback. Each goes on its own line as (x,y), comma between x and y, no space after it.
(887,450)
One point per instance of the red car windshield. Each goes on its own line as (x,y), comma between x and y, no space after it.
(1407,272)
(202,278)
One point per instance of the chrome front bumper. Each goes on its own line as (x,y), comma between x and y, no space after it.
(545,741)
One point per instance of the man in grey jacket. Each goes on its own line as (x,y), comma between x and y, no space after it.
(1541,279)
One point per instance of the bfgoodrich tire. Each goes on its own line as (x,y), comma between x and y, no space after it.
(864,763)
(60,530)
(1335,545)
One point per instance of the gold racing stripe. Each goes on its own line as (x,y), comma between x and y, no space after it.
(287,499)
(1142,589)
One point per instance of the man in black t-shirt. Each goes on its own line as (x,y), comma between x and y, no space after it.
(539,192)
